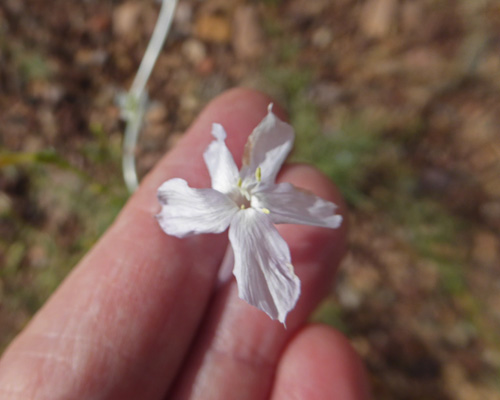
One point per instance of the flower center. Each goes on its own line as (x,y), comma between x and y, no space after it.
(242,198)
(242,195)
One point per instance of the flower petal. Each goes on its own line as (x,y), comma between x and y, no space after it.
(220,162)
(288,205)
(187,211)
(262,266)
(266,148)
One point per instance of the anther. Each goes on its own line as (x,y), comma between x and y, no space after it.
(239,182)
(258,174)
(266,211)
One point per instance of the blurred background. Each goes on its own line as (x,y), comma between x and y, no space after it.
(398,101)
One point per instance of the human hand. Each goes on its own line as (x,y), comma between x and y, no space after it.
(141,316)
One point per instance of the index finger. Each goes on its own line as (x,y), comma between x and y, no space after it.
(120,324)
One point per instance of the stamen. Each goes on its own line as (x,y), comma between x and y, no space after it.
(239,182)
(242,207)
(266,211)
(258,174)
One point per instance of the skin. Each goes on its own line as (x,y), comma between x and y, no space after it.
(143,317)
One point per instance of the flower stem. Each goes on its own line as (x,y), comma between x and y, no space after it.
(133,105)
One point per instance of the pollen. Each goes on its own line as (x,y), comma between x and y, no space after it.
(239,182)
(266,211)
(242,207)
(258,174)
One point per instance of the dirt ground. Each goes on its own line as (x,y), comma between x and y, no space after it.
(397,100)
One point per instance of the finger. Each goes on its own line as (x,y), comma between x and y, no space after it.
(239,347)
(120,324)
(319,363)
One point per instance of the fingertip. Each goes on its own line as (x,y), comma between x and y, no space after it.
(320,363)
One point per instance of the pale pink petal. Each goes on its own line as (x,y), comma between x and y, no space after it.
(267,148)
(262,267)
(220,162)
(187,211)
(288,205)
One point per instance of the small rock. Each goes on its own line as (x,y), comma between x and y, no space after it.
(460,334)
(37,256)
(492,187)
(34,144)
(491,213)
(5,204)
(362,345)
(306,9)
(349,297)
(194,50)
(14,6)
(153,137)
(247,35)
(486,248)
(183,17)
(411,16)
(322,37)
(325,93)
(126,18)
(48,123)
(189,102)
(428,275)
(156,113)
(89,57)
(377,17)
(99,23)
(492,357)
(206,66)
(47,91)
(213,28)
(423,62)
(479,129)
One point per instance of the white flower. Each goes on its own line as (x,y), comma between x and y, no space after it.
(249,202)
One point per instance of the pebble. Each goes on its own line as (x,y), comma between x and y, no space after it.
(5,204)
(411,16)
(325,93)
(90,57)
(349,297)
(156,113)
(98,23)
(486,248)
(183,17)
(490,212)
(247,35)
(126,18)
(377,18)
(213,28)
(206,66)
(306,9)
(47,91)
(37,256)
(194,50)
(189,102)
(322,37)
